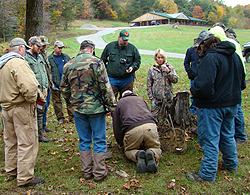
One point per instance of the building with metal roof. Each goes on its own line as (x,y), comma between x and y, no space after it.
(154,18)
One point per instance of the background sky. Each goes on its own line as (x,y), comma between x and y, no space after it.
(235,2)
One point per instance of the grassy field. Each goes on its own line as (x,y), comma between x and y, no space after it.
(59,162)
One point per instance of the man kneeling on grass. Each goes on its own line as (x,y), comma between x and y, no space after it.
(135,127)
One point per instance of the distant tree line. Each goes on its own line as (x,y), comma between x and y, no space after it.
(62,12)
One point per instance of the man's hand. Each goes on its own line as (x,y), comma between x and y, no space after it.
(129,70)
(190,75)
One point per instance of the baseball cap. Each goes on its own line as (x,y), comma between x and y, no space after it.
(220,24)
(124,34)
(35,40)
(87,43)
(59,43)
(44,40)
(231,31)
(204,35)
(18,41)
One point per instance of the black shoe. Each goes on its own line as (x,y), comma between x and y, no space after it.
(151,164)
(36,180)
(141,161)
(44,139)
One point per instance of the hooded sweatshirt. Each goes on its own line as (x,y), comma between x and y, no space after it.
(220,78)
(17,82)
(219,32)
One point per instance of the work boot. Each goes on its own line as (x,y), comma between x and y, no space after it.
(41,137)
(100,171)
(36,180)
(141,161)
(151,164)
(44,139)
(48,130)
(87,164)
(44,133)
(195,177)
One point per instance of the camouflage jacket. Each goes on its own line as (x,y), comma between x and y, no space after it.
(85,83)
(159,83)
(38,67)
(54,68)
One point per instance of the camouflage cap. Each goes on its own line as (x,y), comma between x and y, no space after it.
(44,40)
(195,42)
(87,43)
(124,34)
(204,35)
(35,40)
(220,24)
(59,43)
(230,31)
(18,41)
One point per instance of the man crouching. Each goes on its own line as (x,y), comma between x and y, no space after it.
(134,127)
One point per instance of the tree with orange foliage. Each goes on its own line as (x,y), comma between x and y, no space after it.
(197,12)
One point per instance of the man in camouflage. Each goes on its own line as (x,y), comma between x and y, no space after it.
(86,84)
(37,64)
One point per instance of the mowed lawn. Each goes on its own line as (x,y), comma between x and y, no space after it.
(59,162)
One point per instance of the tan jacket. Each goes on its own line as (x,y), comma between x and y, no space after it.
(18,84)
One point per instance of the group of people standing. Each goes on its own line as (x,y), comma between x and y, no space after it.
(93,87)
(27,78)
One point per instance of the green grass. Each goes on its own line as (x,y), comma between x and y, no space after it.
(59,163)
(167,38)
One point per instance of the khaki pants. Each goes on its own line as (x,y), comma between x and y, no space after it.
(57,103)
(146,134)
(21,141)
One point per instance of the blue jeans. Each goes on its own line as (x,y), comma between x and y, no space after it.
(215,131)
(46,108)
(239,123)
(88,126)
(192,107)
(119,83)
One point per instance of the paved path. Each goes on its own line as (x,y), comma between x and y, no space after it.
(100,43)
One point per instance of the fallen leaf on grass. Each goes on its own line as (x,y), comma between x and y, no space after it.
(183,171)
(91,185)
(28,192)
(72,169)
(126,186)
(170,164)
(60,186)
(171,185)
(227,178)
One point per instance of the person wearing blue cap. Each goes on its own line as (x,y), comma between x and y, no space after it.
(121,59)
(217,91)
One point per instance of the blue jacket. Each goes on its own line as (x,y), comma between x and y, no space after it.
(191,57)
(220,78)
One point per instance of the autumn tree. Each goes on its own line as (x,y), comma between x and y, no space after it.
(221,11)
(169,6)
(88,11)
(197,12)
(34,18)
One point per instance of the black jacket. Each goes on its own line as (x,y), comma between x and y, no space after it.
(220,78)
(131,111)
